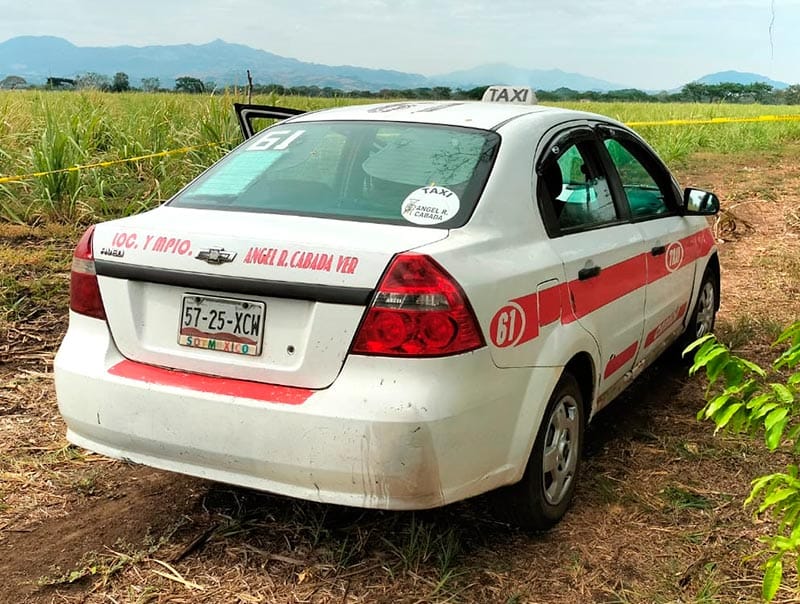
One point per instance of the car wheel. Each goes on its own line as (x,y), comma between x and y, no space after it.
(705,311)
(542,497)
(704,315)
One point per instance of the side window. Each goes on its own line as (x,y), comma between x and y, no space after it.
(646,198)
(580,196)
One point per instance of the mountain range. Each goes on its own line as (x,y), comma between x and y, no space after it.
(741,77)
(36,58)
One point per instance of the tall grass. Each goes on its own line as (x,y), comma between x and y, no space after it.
(56,150)
(675,143)
(45,131)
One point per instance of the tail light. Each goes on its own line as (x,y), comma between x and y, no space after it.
(419,310)
(84,291)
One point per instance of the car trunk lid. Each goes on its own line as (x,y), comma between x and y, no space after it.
(261,297)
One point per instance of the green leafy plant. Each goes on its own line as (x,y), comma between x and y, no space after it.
(53,156)
(743,397)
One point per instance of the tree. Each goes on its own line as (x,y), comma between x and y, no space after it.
(475,93)
(791,95)
(759,90)
(12,81)
(716,92)
(566,94)
(120,82)
(189,84)
(389,93)
(151,84)
(93,80)
(728,91)
(627,95)
(695,91)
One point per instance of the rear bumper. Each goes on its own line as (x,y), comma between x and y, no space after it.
(388,433)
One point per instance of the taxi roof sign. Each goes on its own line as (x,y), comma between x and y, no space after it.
(509,94)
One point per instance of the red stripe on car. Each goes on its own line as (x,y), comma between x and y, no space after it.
(575,299)
(612,283)
(660,329)
(211,384)
(529,306)
(615,363)
(549,305)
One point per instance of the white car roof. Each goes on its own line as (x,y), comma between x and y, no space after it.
(472,114)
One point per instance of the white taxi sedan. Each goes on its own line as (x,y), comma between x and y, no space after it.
(390,306)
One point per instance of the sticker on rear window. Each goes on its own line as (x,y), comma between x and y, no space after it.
(430,205)
(274,139)
(236,174)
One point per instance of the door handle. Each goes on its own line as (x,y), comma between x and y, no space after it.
(588,272)
(658,250)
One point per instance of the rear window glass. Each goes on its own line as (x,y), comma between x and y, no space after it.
(374,171)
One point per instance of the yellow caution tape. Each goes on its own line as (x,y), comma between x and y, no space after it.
(718,120)
(103,164)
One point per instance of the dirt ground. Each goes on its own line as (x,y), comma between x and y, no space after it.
(658,515)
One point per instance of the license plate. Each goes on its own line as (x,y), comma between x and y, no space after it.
(224,324)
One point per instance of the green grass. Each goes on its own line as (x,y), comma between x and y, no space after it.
(746,329)
(46,131)
(679,498)
(34,275)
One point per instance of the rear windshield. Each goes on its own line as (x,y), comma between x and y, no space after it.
(372,171)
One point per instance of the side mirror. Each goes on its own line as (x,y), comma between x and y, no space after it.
(699,202)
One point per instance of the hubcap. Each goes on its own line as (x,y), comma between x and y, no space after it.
(560,458)
(705,310)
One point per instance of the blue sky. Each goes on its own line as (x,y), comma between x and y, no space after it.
(644,43)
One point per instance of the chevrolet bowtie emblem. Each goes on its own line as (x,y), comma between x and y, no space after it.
(216,255)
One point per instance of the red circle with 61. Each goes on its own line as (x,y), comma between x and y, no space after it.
(507,325)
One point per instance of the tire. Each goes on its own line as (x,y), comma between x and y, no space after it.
(542,497)
(704,315)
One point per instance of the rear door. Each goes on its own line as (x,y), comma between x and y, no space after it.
(652,198)
(600,250)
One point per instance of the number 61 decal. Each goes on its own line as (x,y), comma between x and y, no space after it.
(508,325)
(275,140)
